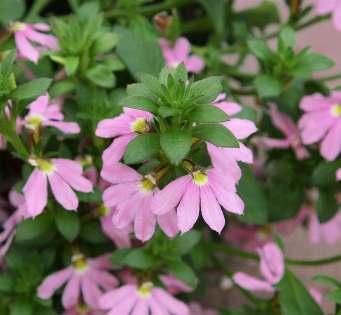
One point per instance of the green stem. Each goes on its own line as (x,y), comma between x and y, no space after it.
(329,78)
(36,8)
(316,262)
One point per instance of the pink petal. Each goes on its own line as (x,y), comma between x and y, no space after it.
(63,192)
(182,48)
(173,305)
(90,292)
(282,121)
(41,27)
(125,306)
(25,48)
(314,102)
(338,174)
(112,298)
(120,237)
(188,209)
(102,279)
(168,223)
(228,107)
(211,210)
(113,127)
(169,197)
(35,192)
(141,308)
(48,41)
(71,292)
(145,220)
(331,144)
(156,308)
(66,127)
(117,173)
(241,128)
(194,64)
(39,105)
(250,283)
(116,150)
(115,194)
(337,17)
(276,143)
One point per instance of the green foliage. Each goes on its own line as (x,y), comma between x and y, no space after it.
(67,223)
(11,10)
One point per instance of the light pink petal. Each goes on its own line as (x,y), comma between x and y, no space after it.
(253,284)
(156,308)
(116,150)
(174,285)
(314,102)
(188,209)
(35,192)
(74,166)
(194,64)
(71,292)
(66,127)
(145,220)
(169,197)
(90,292)
(25,48)
(337,17)
(137,113)
(229,108)
(241,128)
(48,41)
(120,237)
(331,144)
(211,210)
(173,305)
(112,298)
(115,194)
(113,127)
(182,48)
(141,308)
(41,27)
(117,173)
(102,279)
(63,192)
(316,295)
(39,105)
(282,121)
(338,174)
(168,223)
(126,211)
(276,143)
(53,282)
(125,306)
(314,228)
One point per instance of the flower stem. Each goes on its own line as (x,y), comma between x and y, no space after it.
(329,78)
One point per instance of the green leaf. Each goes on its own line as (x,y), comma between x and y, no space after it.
(11,10)
(62,87)
(326,205)
(138,258)
(32,89)
(71,65)
(34,228)
(139,102)
(335,296)
(207,114)
(152,83)
(316,62)
(326,280)
(183,271)
(92,232)
(101,76)
(216,134)
(21,307)
(6,283)
(105,42)
(267,86)
(216,11)
(294,297)
(185,242)
(260,49)
(176,144)
(141,54)
(251,192)
(118,257)
(143,147)
(287,38)
(67,224)
(208,89)
(324,174)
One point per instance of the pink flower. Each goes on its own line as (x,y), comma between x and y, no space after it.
(197,309)
(338,174)
(321,122)
(62,174)
(271,267)
(123,128)
(86,276)
(226,159)
(331,6)
(9,226)
(82,310)
(131,195)
(287,126)
(132,299)
(42,113)
(174,286)
(201,190)
(180,53)
(121,237)
(27,34)
(316,295)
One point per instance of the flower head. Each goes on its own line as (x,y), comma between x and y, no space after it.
(200,190)
(31,42)
(63,175)
(123,128)
(180,53)
(292,138)
(131,195)
(88,277)
(42,113)
(142,299)
(330,6)
(271,267)
(321,122)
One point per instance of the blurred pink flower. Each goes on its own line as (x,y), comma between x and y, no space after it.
(201,190)
(132,299)
(86,276)
(9,226)
(330,6)
(316,295)
(131,195)
(292,139)
(82,310)
(175,286)
(123,128)
(197,309)
(31,42)
(226,159)
(42,113)
(271,267)
(180,53)
(338,174)
(321,122)
(62,174)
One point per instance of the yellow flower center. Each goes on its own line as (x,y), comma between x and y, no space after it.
(200,178)
(44,165)
(17,26)
(79,262)
(140,125)
(147,184)
(34,122)
(103,210)
(86,160)
(145,290)
(336,110)
(83,309)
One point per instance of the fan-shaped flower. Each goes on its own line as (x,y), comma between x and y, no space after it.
(321,122)
(123,128)
(88,277)
(141,299)
(200,190)
(131,195)
(31,42)
(180,53)
(62,174)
